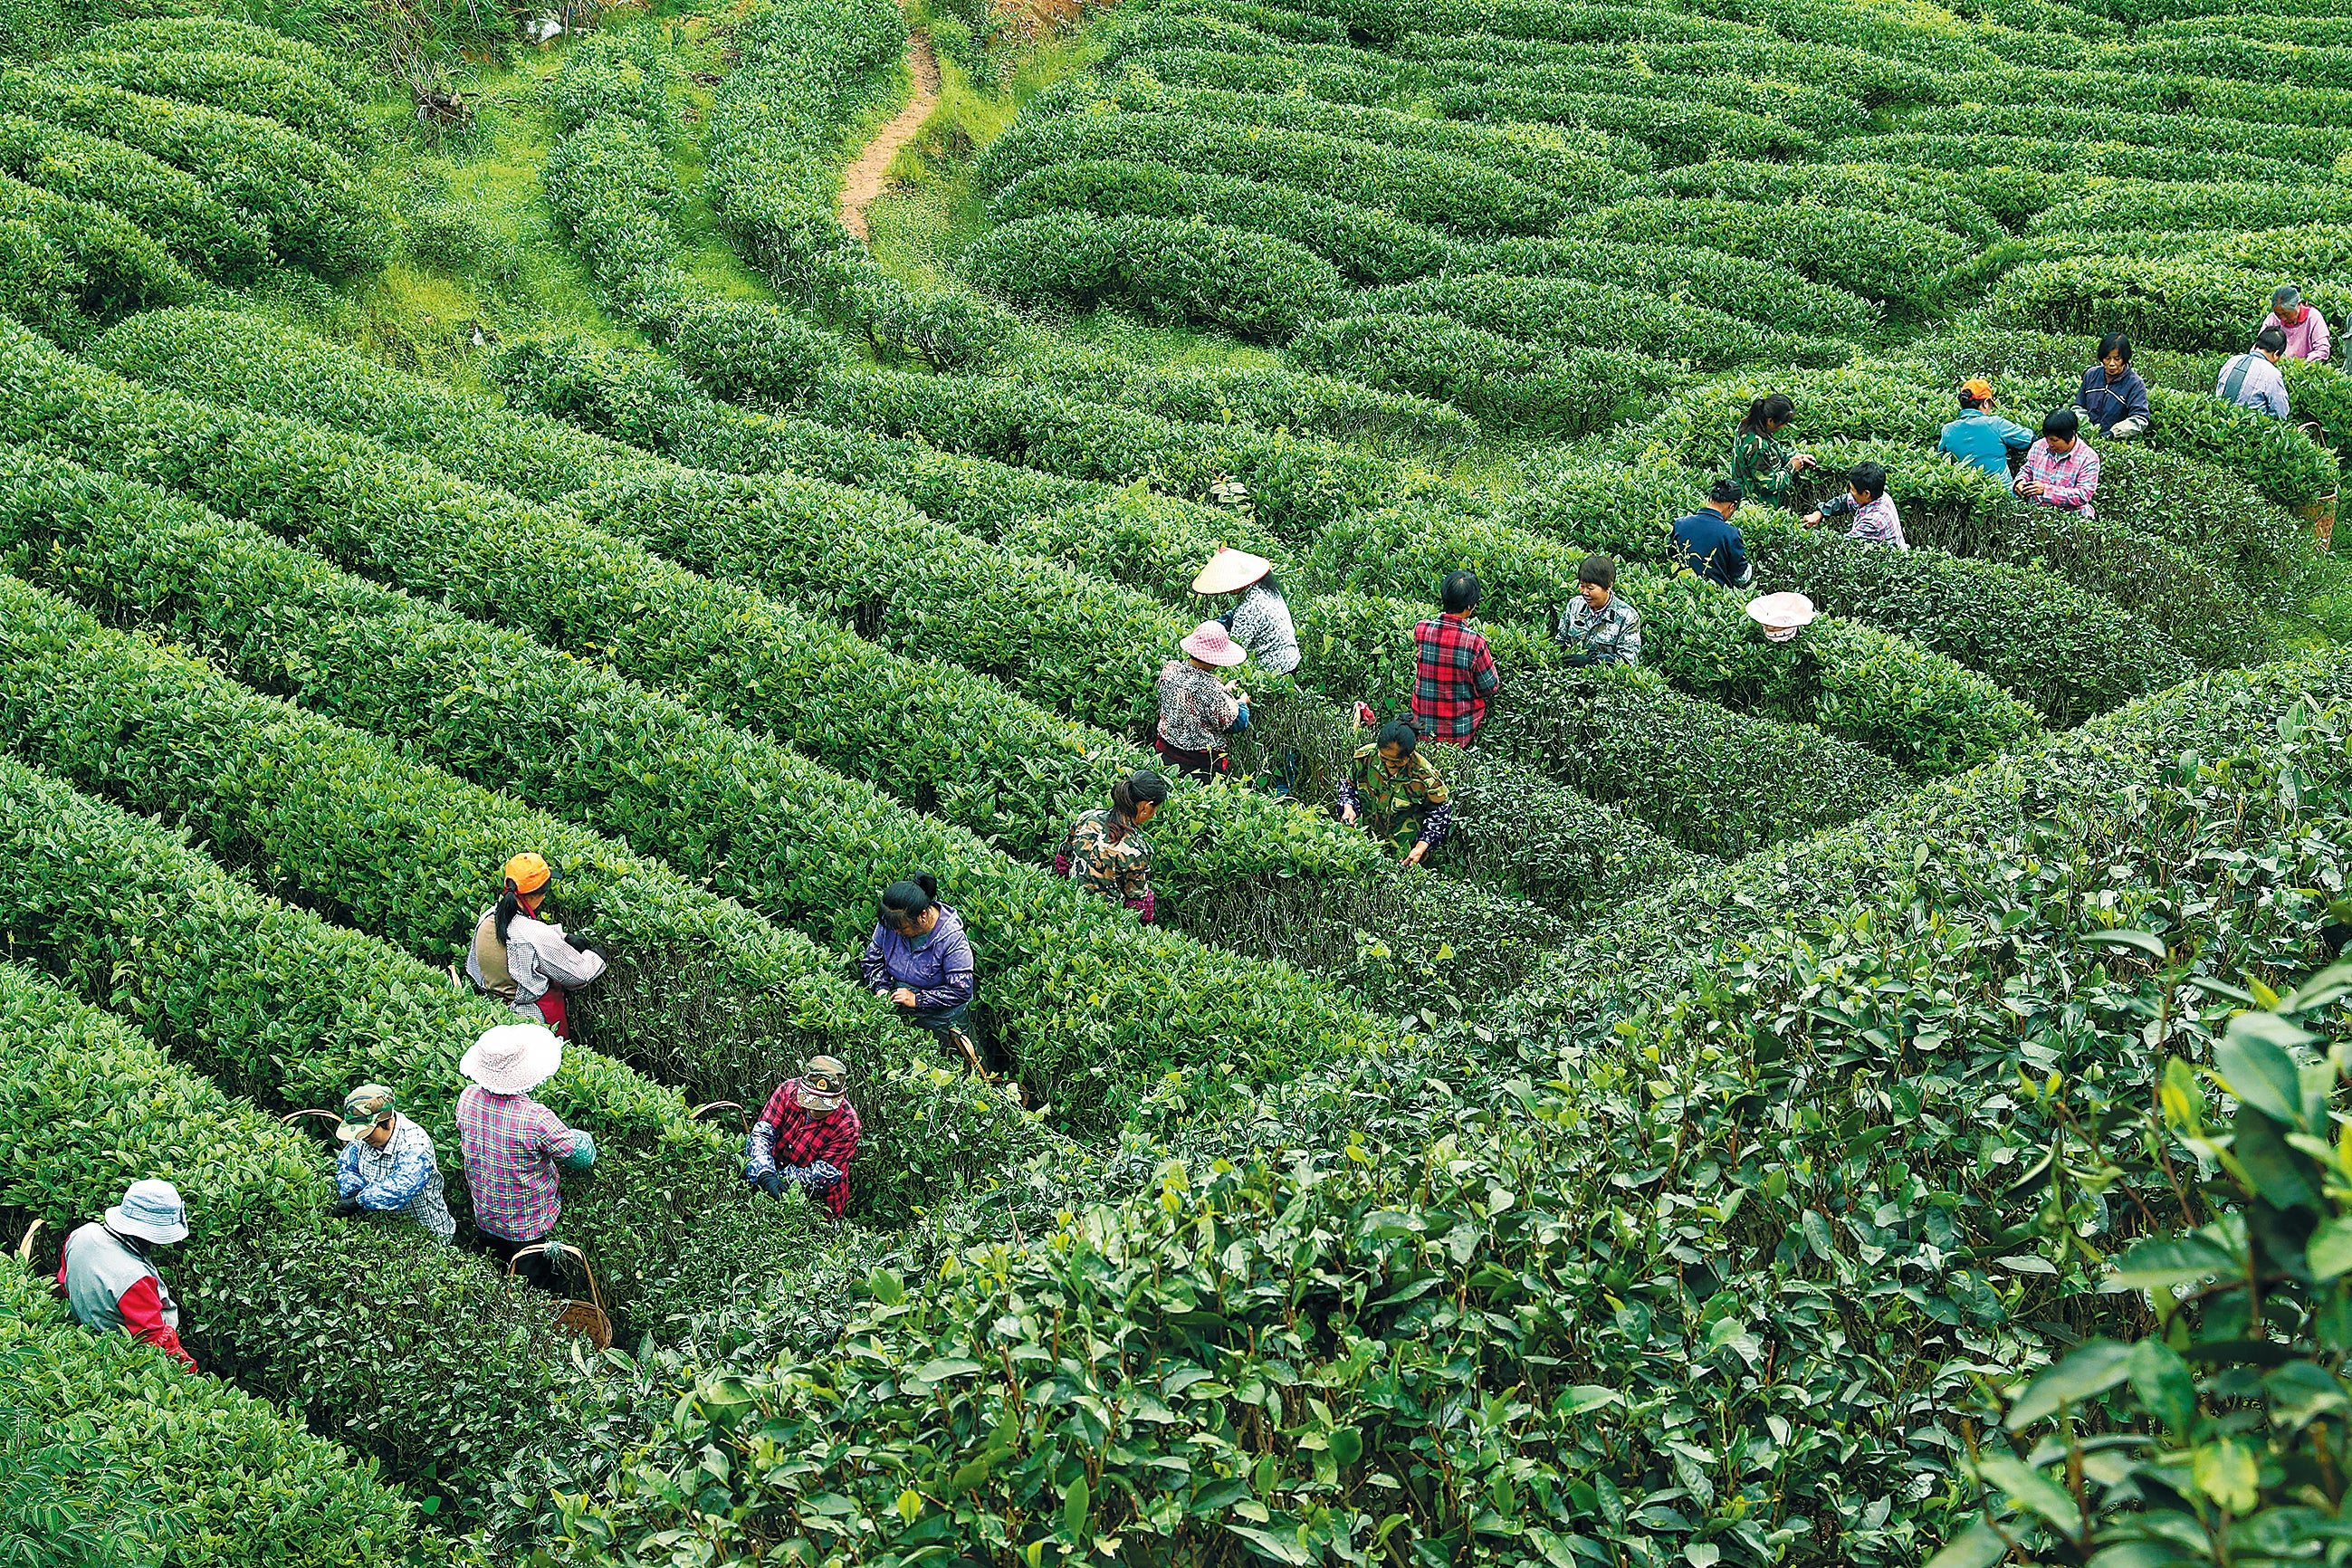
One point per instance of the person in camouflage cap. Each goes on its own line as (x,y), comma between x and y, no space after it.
(388,1164)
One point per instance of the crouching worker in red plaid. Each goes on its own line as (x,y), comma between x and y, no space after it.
(807,1137)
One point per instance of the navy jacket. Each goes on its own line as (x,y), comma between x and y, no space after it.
(1708,544)
(2110,402)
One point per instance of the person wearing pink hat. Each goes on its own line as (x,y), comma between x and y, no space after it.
(1197,709)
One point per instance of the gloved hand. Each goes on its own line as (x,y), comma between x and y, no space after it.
(1581,659)
(342,1208)
(757,1169)
(769,1183)
(578,944)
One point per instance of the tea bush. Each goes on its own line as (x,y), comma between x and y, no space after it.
(806,69)
(890,841)
(39,287)
(1504,382)
(1677,132)
(1538,154)
(1366,243)
(1781,103)
(295,97)
(227,1477)
(122,269)
(1847,186)
(2142,127)
(1570,313)
(1688,768)
(1333,407)
(2165,304)
(319,211)
(1177,269)
(1888,258)
(1261,73)
(93,1104)
(1767,295)
(169,205)
(1441,189)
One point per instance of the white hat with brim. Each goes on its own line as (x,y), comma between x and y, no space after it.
(1211,643)
(1782,616)
(514,1058)
(152,1211)
(1230,570)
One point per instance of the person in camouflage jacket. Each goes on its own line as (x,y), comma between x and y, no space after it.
(1105,851)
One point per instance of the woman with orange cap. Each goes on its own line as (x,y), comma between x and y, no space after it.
(1260,620)
(525,961)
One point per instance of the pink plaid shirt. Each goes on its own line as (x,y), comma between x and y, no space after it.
(511,1143)
(2072,480)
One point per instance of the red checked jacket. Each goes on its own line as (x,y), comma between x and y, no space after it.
(1453,674)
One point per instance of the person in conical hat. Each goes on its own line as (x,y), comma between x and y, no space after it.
(525,961)
(1197,707)
(1260,619)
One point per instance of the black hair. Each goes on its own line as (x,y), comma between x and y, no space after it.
(1599,571)
(1773,408)
(2115,343)
(1726,491)
(1399,733)
(911,899)
(510,903)
(2061,423)
(1967,402)
(1870,478)
(2271,340)
(1142,787)
(1459,593)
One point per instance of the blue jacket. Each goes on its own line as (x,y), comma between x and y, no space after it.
(1985,439)
(1708,544)
(936,966)
(2112,401)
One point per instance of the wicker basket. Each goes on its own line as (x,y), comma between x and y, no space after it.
(2321,515)
(587,1318)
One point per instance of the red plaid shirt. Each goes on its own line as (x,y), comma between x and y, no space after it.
(1453,674)
(803,1137)
(511,1143)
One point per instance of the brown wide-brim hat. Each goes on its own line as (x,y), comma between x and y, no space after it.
(1230,570)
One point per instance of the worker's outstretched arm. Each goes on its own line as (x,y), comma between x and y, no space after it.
(141,1306)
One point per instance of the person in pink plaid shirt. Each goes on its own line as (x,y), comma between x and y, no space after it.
(2061,469)
(514,1146)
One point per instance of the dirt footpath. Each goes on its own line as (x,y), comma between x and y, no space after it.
(864,178)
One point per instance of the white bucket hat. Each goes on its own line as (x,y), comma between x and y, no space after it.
(152,1211)
(514,1058)
(1782,616)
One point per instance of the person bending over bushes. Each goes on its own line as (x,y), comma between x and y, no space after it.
(514,1147)
(524,962)
(1981,437)
(1105,852)
(1198,709)
(2304,327)
(920,960)
(2061,469)
(2253,379)
(1707,544)
(1260,619)
(1395,793)
(107,1278)
(388,1166)
(1453,668)
(1867,502)
(1761,465)
(2113,397)
(1601,627)
(807,1137)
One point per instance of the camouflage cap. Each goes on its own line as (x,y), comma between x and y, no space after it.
(362,1109)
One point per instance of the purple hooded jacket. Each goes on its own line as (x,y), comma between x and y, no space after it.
(939,972)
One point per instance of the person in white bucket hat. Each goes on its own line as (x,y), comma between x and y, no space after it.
(514,1146)
(1198,709)
(107,1278)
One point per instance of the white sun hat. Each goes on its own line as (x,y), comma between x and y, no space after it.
(1782,616)
(514,1058)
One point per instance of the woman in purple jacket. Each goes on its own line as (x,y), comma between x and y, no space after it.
(920,959)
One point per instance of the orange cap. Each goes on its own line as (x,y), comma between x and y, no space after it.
(1976,387)
(529,872)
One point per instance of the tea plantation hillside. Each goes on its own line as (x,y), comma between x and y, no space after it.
(1869,1096)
